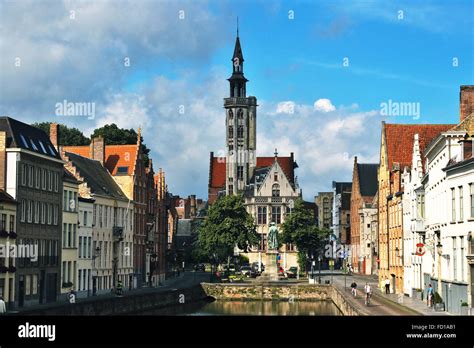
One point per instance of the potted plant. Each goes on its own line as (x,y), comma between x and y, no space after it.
(12,269)
(464,308)
(12,234)
(3,233)
(438,303)
(3,269)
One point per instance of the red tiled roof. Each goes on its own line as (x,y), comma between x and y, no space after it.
(218,168)
(83,151)
(399,140)
(120,156)
(115,156)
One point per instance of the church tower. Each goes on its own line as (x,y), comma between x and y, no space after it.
(241,127)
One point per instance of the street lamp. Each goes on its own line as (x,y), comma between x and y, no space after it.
(439,248)
(94,272)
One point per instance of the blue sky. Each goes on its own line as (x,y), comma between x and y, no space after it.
(400,56)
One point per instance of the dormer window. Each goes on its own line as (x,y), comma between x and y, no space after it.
(276,190)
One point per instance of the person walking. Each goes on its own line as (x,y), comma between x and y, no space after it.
(429,295)
(354,289)
(387,286)
(368,293)
(3,307)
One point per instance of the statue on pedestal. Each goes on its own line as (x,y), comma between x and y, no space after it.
(273,237)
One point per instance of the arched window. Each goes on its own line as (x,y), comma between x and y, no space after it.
(231,132)
(231,115)
(240,114)
(276,190)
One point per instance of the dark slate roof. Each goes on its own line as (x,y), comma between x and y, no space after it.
(368,183)
(22,135)
(96,176)
(342,186)
(5,197)
(346,200)
(238,51)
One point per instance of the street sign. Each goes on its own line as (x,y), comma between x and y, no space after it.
(420,249)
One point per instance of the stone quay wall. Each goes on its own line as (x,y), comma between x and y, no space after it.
(281,292)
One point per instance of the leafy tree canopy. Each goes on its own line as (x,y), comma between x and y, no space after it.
(67,136)
(300,229)
(227,225)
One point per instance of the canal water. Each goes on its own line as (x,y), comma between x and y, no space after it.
(255,308)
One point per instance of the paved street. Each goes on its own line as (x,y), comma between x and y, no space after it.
(381,304)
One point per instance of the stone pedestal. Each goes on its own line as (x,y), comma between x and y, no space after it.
(271,268)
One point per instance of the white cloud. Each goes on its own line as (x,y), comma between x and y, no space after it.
(324,105)
(286,107)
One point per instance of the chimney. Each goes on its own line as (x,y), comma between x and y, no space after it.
(97,149)
(193,205)
(53,134)
(3,160)
(466,101)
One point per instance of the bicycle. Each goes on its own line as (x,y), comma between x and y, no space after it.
(367,298)
(354,292)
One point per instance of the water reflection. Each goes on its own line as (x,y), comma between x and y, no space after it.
(268,308)
(283,308)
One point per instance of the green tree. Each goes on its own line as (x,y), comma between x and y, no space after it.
(300,229)
(67,136)
(114,135)
(227,225)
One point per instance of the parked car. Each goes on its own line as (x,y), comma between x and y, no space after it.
(246,271)
(292,272)
(200,267)
(255,268)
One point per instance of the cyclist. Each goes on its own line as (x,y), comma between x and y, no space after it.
(354,289)
(368,293)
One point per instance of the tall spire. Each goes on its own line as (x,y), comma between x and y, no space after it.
(237,26)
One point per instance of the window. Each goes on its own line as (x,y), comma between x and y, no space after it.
(420,201)
(50,180)
(231,188)
(74,234)
(453,205)
(122,170)
(275,176)
(471,185)
(37,212)
(31,176)
(231,116)
(461,208)
(455,261)
(30,211)
(231,131)
(240,114)
(276,215)
(3,223)
(80,279)
(65,202)
(56,182)
(85,218)
(12,223)
(24,174)
(38,178)
(43,179)
(276,190)
(69,235)
(240,131)
(50,213)
(80,247)
(240,172)
(64,235)
(262,215)
(56,213)
(43,213)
